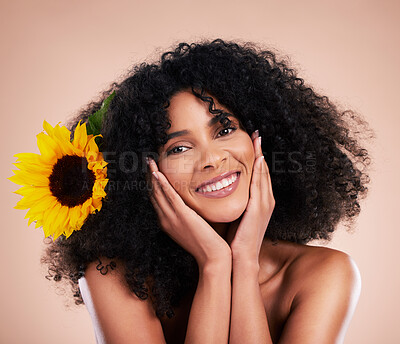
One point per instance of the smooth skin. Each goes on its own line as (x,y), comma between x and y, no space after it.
(245,282)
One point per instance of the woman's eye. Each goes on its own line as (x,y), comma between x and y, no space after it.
(175,150)
(233,128)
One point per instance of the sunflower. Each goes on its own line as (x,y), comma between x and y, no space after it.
(63,184)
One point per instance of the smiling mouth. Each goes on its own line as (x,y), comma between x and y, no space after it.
(219,185)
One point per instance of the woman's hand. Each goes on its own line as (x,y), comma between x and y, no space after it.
(248,231)
(183,224)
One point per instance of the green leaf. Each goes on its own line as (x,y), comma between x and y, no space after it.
(99,142)
(95,120)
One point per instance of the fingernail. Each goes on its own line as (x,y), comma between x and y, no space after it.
(147,160)
(155,174)
(259,140)
(257,133)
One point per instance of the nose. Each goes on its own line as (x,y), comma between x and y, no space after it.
(212,157)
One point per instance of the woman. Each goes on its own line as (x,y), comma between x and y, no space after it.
(170,259)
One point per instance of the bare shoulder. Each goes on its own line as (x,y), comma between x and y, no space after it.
(118,315)
(314,264)
(325,281)
(112,268)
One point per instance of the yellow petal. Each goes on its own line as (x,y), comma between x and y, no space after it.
(48,148)
(34,199)
(91,149)
(24,190)
(36,215)
(62,137)
(80,136)
(23,178)
(50,219)
(62,133)
(97,203)
(33,217)
(74,214)
(66,147)
(66,219)
(59,225)
(31,220)
(96,166)
(48,128)
(68,229)
(60,219)
(77,151)
(30,158)
(34,169)
(28,190)
(98,189)
(86,208)
(44,204)
(68,232)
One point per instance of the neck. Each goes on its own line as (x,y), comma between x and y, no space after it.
(221,228)
(226,230)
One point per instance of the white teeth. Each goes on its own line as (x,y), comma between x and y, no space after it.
(220,184)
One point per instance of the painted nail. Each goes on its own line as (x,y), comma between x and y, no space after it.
(259,140)
(155,174)
(147,160)
(257,133)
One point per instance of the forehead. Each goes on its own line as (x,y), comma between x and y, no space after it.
(186,109)
(185,105)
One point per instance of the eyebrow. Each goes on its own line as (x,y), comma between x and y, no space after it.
(210,123)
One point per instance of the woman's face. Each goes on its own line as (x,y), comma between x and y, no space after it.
(200,152)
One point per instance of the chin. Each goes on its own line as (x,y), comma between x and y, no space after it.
(225,215)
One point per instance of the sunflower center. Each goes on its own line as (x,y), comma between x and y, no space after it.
(71,182)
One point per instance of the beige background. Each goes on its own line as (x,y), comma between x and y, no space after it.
(57,55)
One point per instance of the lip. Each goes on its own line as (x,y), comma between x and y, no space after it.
(216,179)
(224,192)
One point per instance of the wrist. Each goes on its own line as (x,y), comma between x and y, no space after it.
(215,260)
(246,261)
(216,267)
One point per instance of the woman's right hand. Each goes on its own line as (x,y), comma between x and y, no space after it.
(183,224)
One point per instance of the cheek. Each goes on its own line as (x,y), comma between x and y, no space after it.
(178,177)
(250,151)
(245,152)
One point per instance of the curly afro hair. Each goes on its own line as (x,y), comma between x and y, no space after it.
(317,183)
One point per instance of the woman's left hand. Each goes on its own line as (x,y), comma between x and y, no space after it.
(251,226)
